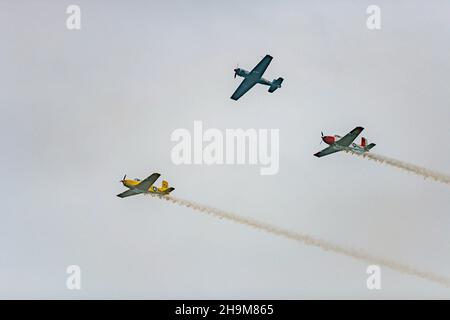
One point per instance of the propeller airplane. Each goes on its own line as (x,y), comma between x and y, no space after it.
(136,186)
(337,143)
(251,78)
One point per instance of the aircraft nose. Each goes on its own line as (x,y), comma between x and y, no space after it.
(327,139)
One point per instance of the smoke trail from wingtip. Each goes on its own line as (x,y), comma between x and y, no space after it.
(406,166)
(311,241)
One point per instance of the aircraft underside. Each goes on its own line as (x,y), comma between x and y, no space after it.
(265,82)
(355,149)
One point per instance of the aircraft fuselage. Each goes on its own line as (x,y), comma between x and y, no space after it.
(255,76)
(131,184)
(334,142)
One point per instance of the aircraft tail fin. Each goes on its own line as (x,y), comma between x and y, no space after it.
(165,188)
(363,142)
(369,146)
(275,84)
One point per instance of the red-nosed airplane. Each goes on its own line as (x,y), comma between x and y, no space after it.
(345,143)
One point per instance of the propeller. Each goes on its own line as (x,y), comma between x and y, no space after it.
(321,140)
(124,177)
(235,70)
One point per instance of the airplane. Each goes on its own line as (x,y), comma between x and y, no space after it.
(137,186)
(251,78)
(345,143)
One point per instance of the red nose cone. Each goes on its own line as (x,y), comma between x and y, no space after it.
(328,139)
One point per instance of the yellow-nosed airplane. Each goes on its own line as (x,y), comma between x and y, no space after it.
(137,186)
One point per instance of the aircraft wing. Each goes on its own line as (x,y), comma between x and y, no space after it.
(262,65)
(147,182)
(346,140)
(245,85)
(326,151)
(130,192)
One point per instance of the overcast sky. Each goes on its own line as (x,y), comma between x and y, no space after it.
(79,109)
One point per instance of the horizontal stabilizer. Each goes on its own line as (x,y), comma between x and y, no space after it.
(169,190)
(370,146)
(275,84)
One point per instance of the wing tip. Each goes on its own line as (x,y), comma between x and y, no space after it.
(155,174)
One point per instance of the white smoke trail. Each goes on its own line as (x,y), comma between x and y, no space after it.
(311,241)
(406,166)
